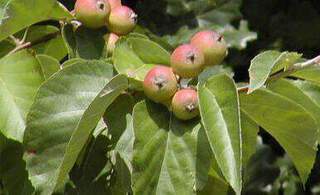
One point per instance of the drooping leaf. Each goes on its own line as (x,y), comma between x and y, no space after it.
(66,110)
(13,174)
(219,108)
(18,14)
(266,63)
(20,78)
(288,122)
(170,156)
(49,65)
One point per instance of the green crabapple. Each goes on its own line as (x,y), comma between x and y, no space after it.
(212,45)
(187,61)
(92,13)
(122,20)
(160,84)
(185,104)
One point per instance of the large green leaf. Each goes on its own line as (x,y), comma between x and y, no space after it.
(288,122)
(67,108)
(266,63)
(298,91)
(170,156)
(18,14)
(13,174)
(219,108)
(20,78)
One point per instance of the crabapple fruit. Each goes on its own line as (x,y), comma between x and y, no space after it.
(212,45)
(187,61)
(185,104)
(92,13)
(160,84)
(122,20)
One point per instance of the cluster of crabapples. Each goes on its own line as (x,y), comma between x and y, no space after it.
(119,19)
(161,83)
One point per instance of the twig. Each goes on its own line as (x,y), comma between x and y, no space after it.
(20,47)
(294,68)
(24,45)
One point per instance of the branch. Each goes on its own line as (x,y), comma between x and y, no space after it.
(294,68)
(20,45)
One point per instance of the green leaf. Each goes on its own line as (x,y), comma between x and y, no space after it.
(210,71)
(224,13)
(214,186)
(134,56)
(219,108)
(123,166)
(16,15)
(84,42)
(288,122)
(249,134)
(116,117)
(13,174)
(20,78)
(66,110)
(148,51)
(5,47)
(266,63)
(72,61)
(302,93)
(46,39)
(54,47)
(170,156)
(90,177)
(49,65)
(310,74)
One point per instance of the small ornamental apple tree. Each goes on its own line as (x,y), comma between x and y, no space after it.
(92,102)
